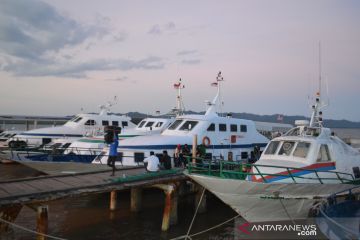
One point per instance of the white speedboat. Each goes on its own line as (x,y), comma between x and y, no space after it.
(83,124)
(148,126)
(223,137)
(294,172)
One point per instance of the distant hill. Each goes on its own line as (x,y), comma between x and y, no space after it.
(263,118)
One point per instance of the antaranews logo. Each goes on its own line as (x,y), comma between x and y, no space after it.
(300,229)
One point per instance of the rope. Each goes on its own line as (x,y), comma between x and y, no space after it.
(206,230)
(193,219)
(287,213)
(29,230)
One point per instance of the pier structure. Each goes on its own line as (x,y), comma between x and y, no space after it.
(37,192)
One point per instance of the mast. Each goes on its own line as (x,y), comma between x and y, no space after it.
(316,116)
(179,110)
(217,98)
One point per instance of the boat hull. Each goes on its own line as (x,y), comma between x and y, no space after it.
(267,202)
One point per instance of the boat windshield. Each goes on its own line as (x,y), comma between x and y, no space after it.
(286,148)
(188,125)
(149,124)
(272,147)
(175,124)
(141,124)
(302,149)
(159,124)
(77,119)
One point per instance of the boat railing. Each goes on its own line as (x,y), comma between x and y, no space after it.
(242,170)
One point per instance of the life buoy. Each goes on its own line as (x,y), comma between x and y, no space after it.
(206,141)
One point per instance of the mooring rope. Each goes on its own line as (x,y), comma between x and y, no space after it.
(193,219)
(29,230)
(206,230)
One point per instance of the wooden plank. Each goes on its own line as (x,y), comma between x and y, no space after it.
(49,185)
(18,188)
(3,193)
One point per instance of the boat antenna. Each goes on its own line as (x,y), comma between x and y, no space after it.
(316,116)
(105,108)
(217,98)
(179,109)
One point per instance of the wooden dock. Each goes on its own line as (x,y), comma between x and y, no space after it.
(36,192)
(46,188)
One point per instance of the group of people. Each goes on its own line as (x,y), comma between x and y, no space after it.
(154,164)
(181,153)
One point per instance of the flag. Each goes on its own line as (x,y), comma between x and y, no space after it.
(177,85)
(214,84)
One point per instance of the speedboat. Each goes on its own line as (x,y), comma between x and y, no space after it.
(148,126)
(83,124)
(295,172)
(33,143)
(222,137)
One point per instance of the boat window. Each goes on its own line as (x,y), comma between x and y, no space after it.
(159,124)
(233,127)
(175,124)
(124,123)
(78,119)
(286,148)
(222,127)
(211,128)
(244,155)
(302,149)
(272,147)
(188,125)
(66,145)
(90,122)
(324,154)
(105,123)
(115,123)
(141,124)
(149,124)
(243,128)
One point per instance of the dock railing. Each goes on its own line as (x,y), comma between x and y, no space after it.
(243,170)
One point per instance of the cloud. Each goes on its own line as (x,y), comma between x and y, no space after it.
(35,39)
(30,29)
(159,30)
(118,79)
(80,70)
(187,52)
(191,61)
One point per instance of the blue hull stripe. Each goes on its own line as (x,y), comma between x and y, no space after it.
(51,135)
(173,146)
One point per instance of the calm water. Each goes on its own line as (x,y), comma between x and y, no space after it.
(88,217)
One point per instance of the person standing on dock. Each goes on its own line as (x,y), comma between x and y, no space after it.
(153,163)
(113,153)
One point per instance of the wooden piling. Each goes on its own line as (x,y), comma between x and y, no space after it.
(194,146)
(113,198)
(166,216)
(136,199)
(42,222)
(174,208)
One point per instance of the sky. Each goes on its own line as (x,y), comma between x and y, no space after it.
(60,56)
